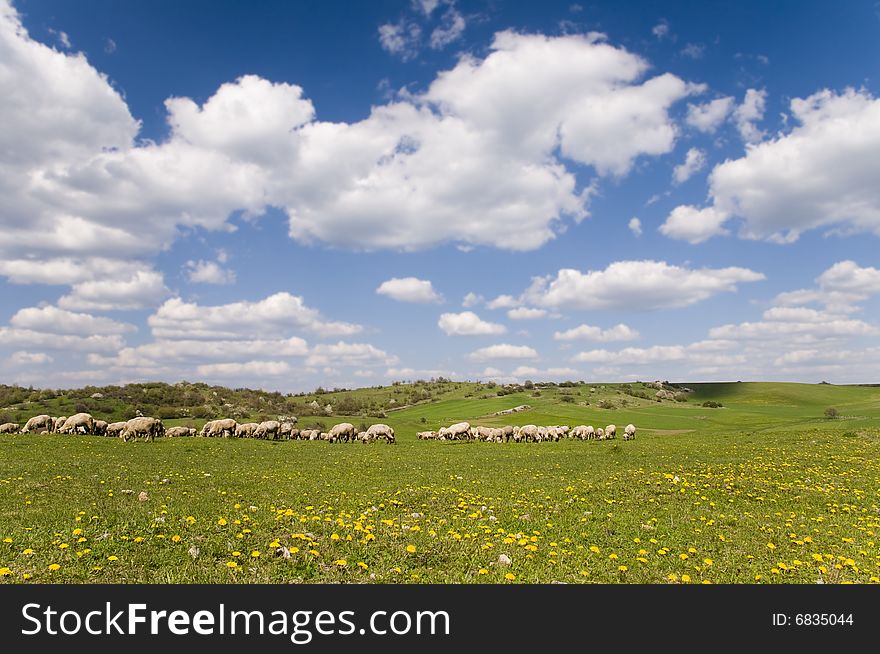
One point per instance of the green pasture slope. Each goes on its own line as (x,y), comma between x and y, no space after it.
(765,489)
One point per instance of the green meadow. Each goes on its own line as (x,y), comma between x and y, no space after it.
(766,488)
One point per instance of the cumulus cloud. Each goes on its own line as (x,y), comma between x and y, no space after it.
(409,289)
(503,302)
(694,161)
(59,321)
(687,223)
(401,38)
(708,116)
(544,374)
(471,300)
(24,358)
(503,351)
(635,285)
(78,184)
(619,332)
(209,272)
(635,226)
(274,315)
(839,288)
(526,313)
(141,289)
(467,323)
(249,369)
(748,113)
(14,337)
(451,28)
(822,173)
(349,354)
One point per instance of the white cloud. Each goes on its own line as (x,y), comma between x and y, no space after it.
(795,326)
(76,183)
(141,289)
(245,370)
(687,223)
(467,323)
(849,277)
(545,374)
(694,50)
(409,289)
(503,351)
(427,7)
(635,285)
(821,174)
(14,337)
(450,30)
(503,302)
(526,313)
(209,272)
(619,332)
(401,38)
(662,30)
(66,270)
(172,352)
(694,161)
(707,117)
(748,113)
(471,300)
(349,354)
(23,358)
(635,226)
(272,316)
(58,321)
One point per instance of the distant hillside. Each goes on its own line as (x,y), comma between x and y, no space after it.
(197,402)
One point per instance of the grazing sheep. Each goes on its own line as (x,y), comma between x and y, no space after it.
(215,428)
(344,431)
(100,427)
(37,424)
(458,431)
(267,427)
(427,435)
(58,423)
(379,430)
(80,423)
(610,432)
(146,427)
(180,432)
(629,432)
(115,429)
(246,430)
(9,428)
(600,434)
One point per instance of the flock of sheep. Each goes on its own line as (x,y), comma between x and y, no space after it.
(149,428)
(463,431)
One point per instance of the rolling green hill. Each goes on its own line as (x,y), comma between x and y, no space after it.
(427,405)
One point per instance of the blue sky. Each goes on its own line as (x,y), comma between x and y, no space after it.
(293,194)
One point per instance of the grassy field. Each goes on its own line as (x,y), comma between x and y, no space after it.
(765,489)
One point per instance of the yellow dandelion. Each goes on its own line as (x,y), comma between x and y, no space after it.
(363,565)
(594,549)
(483,571)
(27,552)
(222,522)
(622,568)
(5,572)
(175,538)
(411,549)
(112,557)
(231,564)
(510,576)
(54,566)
